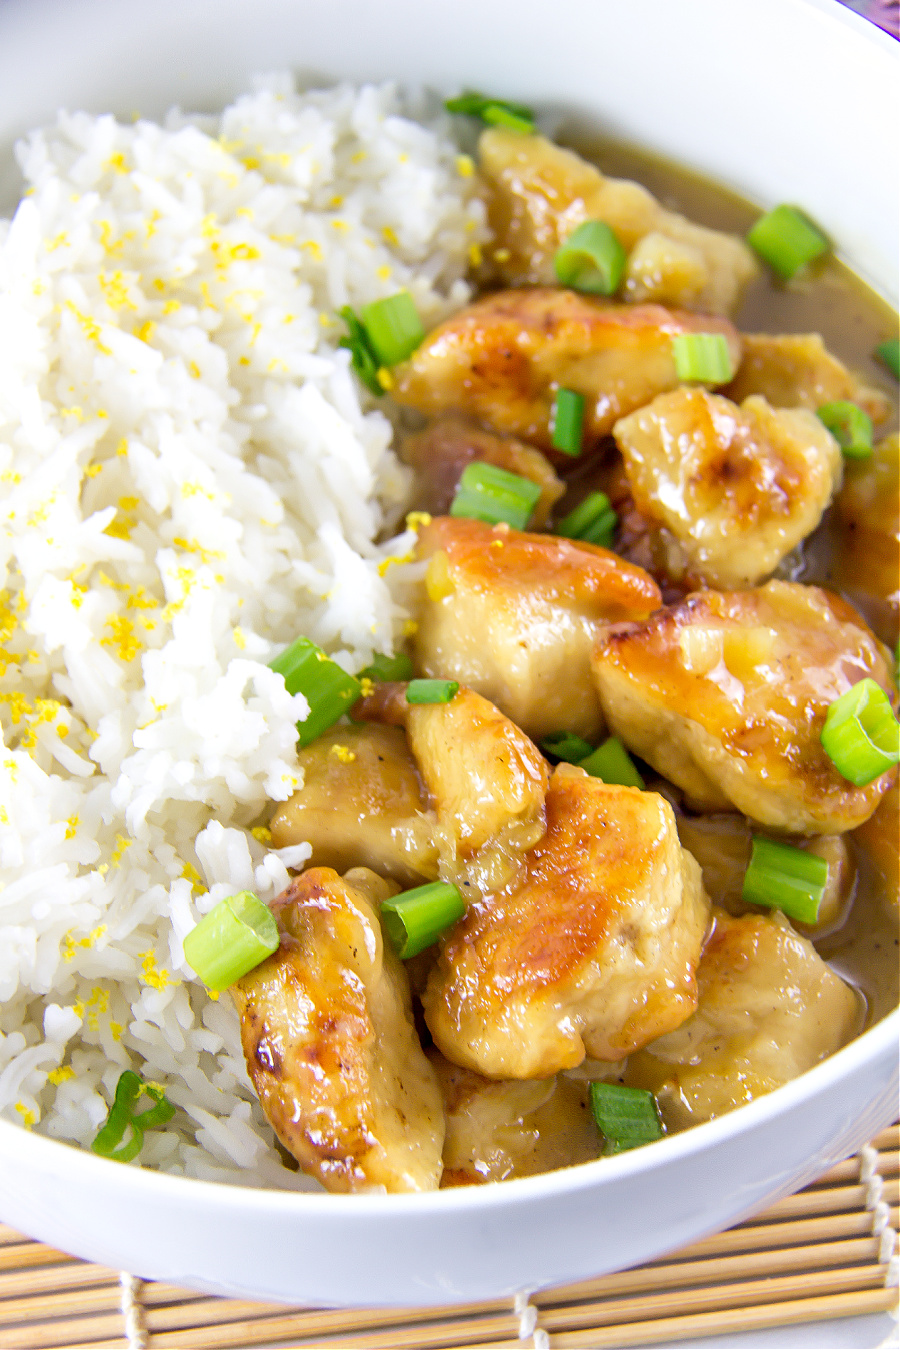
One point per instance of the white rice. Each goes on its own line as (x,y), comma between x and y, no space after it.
(190,477)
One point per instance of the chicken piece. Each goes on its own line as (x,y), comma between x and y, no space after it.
(328,1036)
(737,488)
(503,358)
(515,616)
(486,781)
(442,451)
(515,1128)
(726,695)
(362,804)
(868,533)
(591,951)
(539,193)
(770,1008)
(880,837)
(796,370)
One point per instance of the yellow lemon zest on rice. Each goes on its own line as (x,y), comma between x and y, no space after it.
(122,447)
(123,639)
(151,222)
(146,330)
(416,519)
(206,555)
(74,411)
(139,599)
(91,470)
(8,621)
(157,977)
(311,245)
(343,753)
(410,628)
(115,289)
(502,255)
(384,273)
(239,640)
(121,845)
(465,166)
(117,162)
(39,515)
(18,704)
(262,833)
(90,327)
(171,307)
(71,826)
(115,1030)
(97,1005)
(102,869)
(60,1075)
(384,378)
(4,816)
(197,490)
(28,1116)
(207,296)
(394,561)
(389,236)
(366,686)
(60,240)
(475,257)
(71,944)
(195,370)
(12,769)
(276,364)
(190,873)
(340,225)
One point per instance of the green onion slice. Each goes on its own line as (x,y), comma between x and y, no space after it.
(592,259)
(627,1117)
(889,354)
(611,763)
(416,919)
(328,689)
(487,492)
(129,1089)
(393,328)
(396,667)
(566,745)
(850,427)
(861,735)
(786,878)
(362,356)
(431,691)
(593,520)
(787,240)
(702,356)
(234,937)
(495,111)
(567,421)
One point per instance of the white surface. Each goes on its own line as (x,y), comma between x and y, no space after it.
(783,99)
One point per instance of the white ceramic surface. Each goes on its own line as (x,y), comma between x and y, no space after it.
(793,100)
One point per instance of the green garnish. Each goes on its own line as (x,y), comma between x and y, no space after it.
(787,240)
(495,111)
(611,763)
(593,520)
(129,1089)
(592,259)
(386,668)
(362,357)
(626,1117)
(495,495)
(328,690)
(861,735)
(234,937)
(850,427)
(888,353)
(566,745)
(567,421)
(431,691)
(703,357)
(786,878)
(416,919)
(393,328)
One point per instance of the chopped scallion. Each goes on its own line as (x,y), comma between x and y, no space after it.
(786,878)
(611,763)
(592,259)
(328,689)
(431,691)
(567,421)
(861,734)
(495,111)
(593,520)
(703,357)
(627,1117)
(889,354)
(850,427)
(393,328)
(487,492)
(362,357)
(129,1089)
(416,919)
(396,667)
(234,937)
(787,240)
(566,745)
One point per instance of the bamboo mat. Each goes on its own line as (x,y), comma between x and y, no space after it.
(828,1251)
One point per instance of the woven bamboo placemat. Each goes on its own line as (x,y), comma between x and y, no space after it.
(828,1251)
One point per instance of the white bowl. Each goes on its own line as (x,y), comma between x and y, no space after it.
(794,100)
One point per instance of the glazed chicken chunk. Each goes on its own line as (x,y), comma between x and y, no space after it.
(726,694)
(770,1008)
(329,1040)
(539,193)
(868,529)
(736,488)
(796,370)
(592,950)
(503,358)
(515,616)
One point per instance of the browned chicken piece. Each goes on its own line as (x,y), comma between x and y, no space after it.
(515,616)
(880,837)
(486,781)
(362,803)
(722,844)
(770,1008)
(503,358)
(796,370)
(726,694)
(329,1040)
(442,451)
(539,193)
(514,1128)
(868,532)
(735,488)
(593,949)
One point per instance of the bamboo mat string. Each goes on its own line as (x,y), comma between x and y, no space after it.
(133,1311)
(527,1314)
(870,1176)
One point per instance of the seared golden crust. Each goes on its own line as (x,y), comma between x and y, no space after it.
(726,695)
(515,615)
(796,370)
(503,358)
(868,529)
(328,1036)
(592,950)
